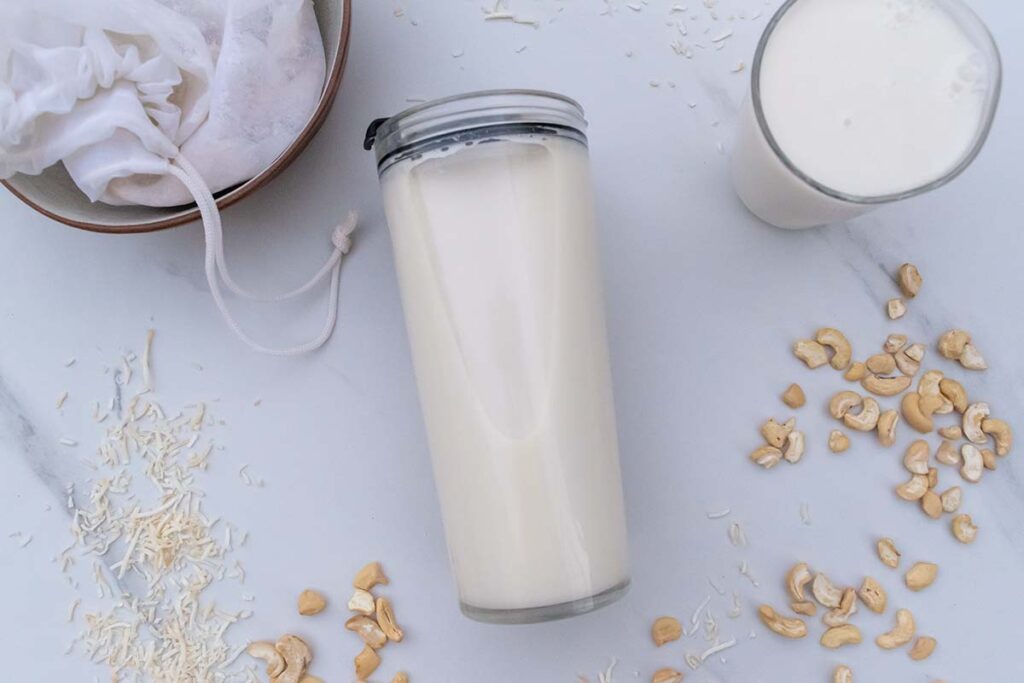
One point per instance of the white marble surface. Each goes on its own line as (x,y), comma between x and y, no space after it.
(703,303)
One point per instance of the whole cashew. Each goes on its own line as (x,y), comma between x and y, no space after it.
(952,343)
(767,456)
(297,656)
(268,653)
(955,392)
(947,453)
(914,415)
(887,422)
(836,340)
(973,463)
(973,417)
(824,592)
(843,674)
(915,459)
(914,489)
(798,577)
(843,402)
(867,419)
(787,628)
(837,636)
(886,386)
(901,634)
(1001,432)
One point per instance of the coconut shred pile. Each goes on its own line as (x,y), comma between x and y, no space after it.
(151,551)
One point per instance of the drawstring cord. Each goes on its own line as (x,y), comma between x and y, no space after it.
(217,268)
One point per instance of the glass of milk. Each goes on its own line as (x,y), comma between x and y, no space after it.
(859,103)
(489,204)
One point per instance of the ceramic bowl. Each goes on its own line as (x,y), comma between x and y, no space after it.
(53,193)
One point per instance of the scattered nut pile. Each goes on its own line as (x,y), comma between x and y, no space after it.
(374,622)
(889,374)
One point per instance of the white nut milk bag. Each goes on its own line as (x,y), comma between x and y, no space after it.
(162,103)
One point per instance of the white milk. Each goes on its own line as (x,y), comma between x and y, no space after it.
(496,257)
(868,98)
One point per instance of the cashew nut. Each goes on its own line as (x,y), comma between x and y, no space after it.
(886,386)
(1001,432)
(988,458)
(843,402)
(836,340)
(972,359)
(666,676)
(955,392)
(366,662)
(930,382)
(894,342)
(896,308)
(837,441)
(881,363)
(847,608)
(843,674)
(915,352)
(767,456)
(873,595)
(311,602)
(402,677)
(887,422)
(915,459)
(794,396)
(867,419)
(367,629)
(807,608)
(837,636)
(811,353)
(888,553)
(901,634)
(933,477)
(973,463)
(907,365)
(921,575)
(369,576)
(931,504)
(297,656)
(798,576)
(666,630)
(947,453)
(774,433)
(856,372)
(952,343)
(794,447)
(914,415)
(787,628)
(909,280)
(361,602)
(824,592)
(974,415)
(923,648)
(964,529)
(951,499)
(269,654)
(951,432)
(914,488)
(386,620)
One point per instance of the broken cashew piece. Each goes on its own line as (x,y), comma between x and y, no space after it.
(366,662)
(806,608)
(951,499)
(947,453)
(836,340)
(896,308)
(974,415)
(386,621)
(913,414)
(825,592)
(369,630)
(794,396)
(837,636)
(269,654)
(665,630)
(972,359)
(843,402)
(894,343)
(856,372)
(361,602)
(842,674)
(881,363)
(886,386)
(915,352)
(909,280)
(931,504)
(915,458)
(973,463)
(811,353)
(955,392)
(767,456)
(921,575)
(867,419)
(964,529)
(783,626)
(837,441)
(887,422)
(951,432)
(873,595)
(798,576)
(311,602)
(666,676)
(369,576)
(951,344)
(1000,431)
(847,608)
(914,488)
(297,657)
(988,458)
(902,634)
(888,553)
(923,648)
(774,433)
(907,365)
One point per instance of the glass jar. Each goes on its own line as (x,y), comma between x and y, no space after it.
(489,205)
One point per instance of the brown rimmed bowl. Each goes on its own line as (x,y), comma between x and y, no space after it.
(54,194)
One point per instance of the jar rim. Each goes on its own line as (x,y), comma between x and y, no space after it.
(470,111)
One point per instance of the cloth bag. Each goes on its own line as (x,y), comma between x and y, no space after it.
(162,103)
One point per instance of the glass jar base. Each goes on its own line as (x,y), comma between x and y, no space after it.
(535,615)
